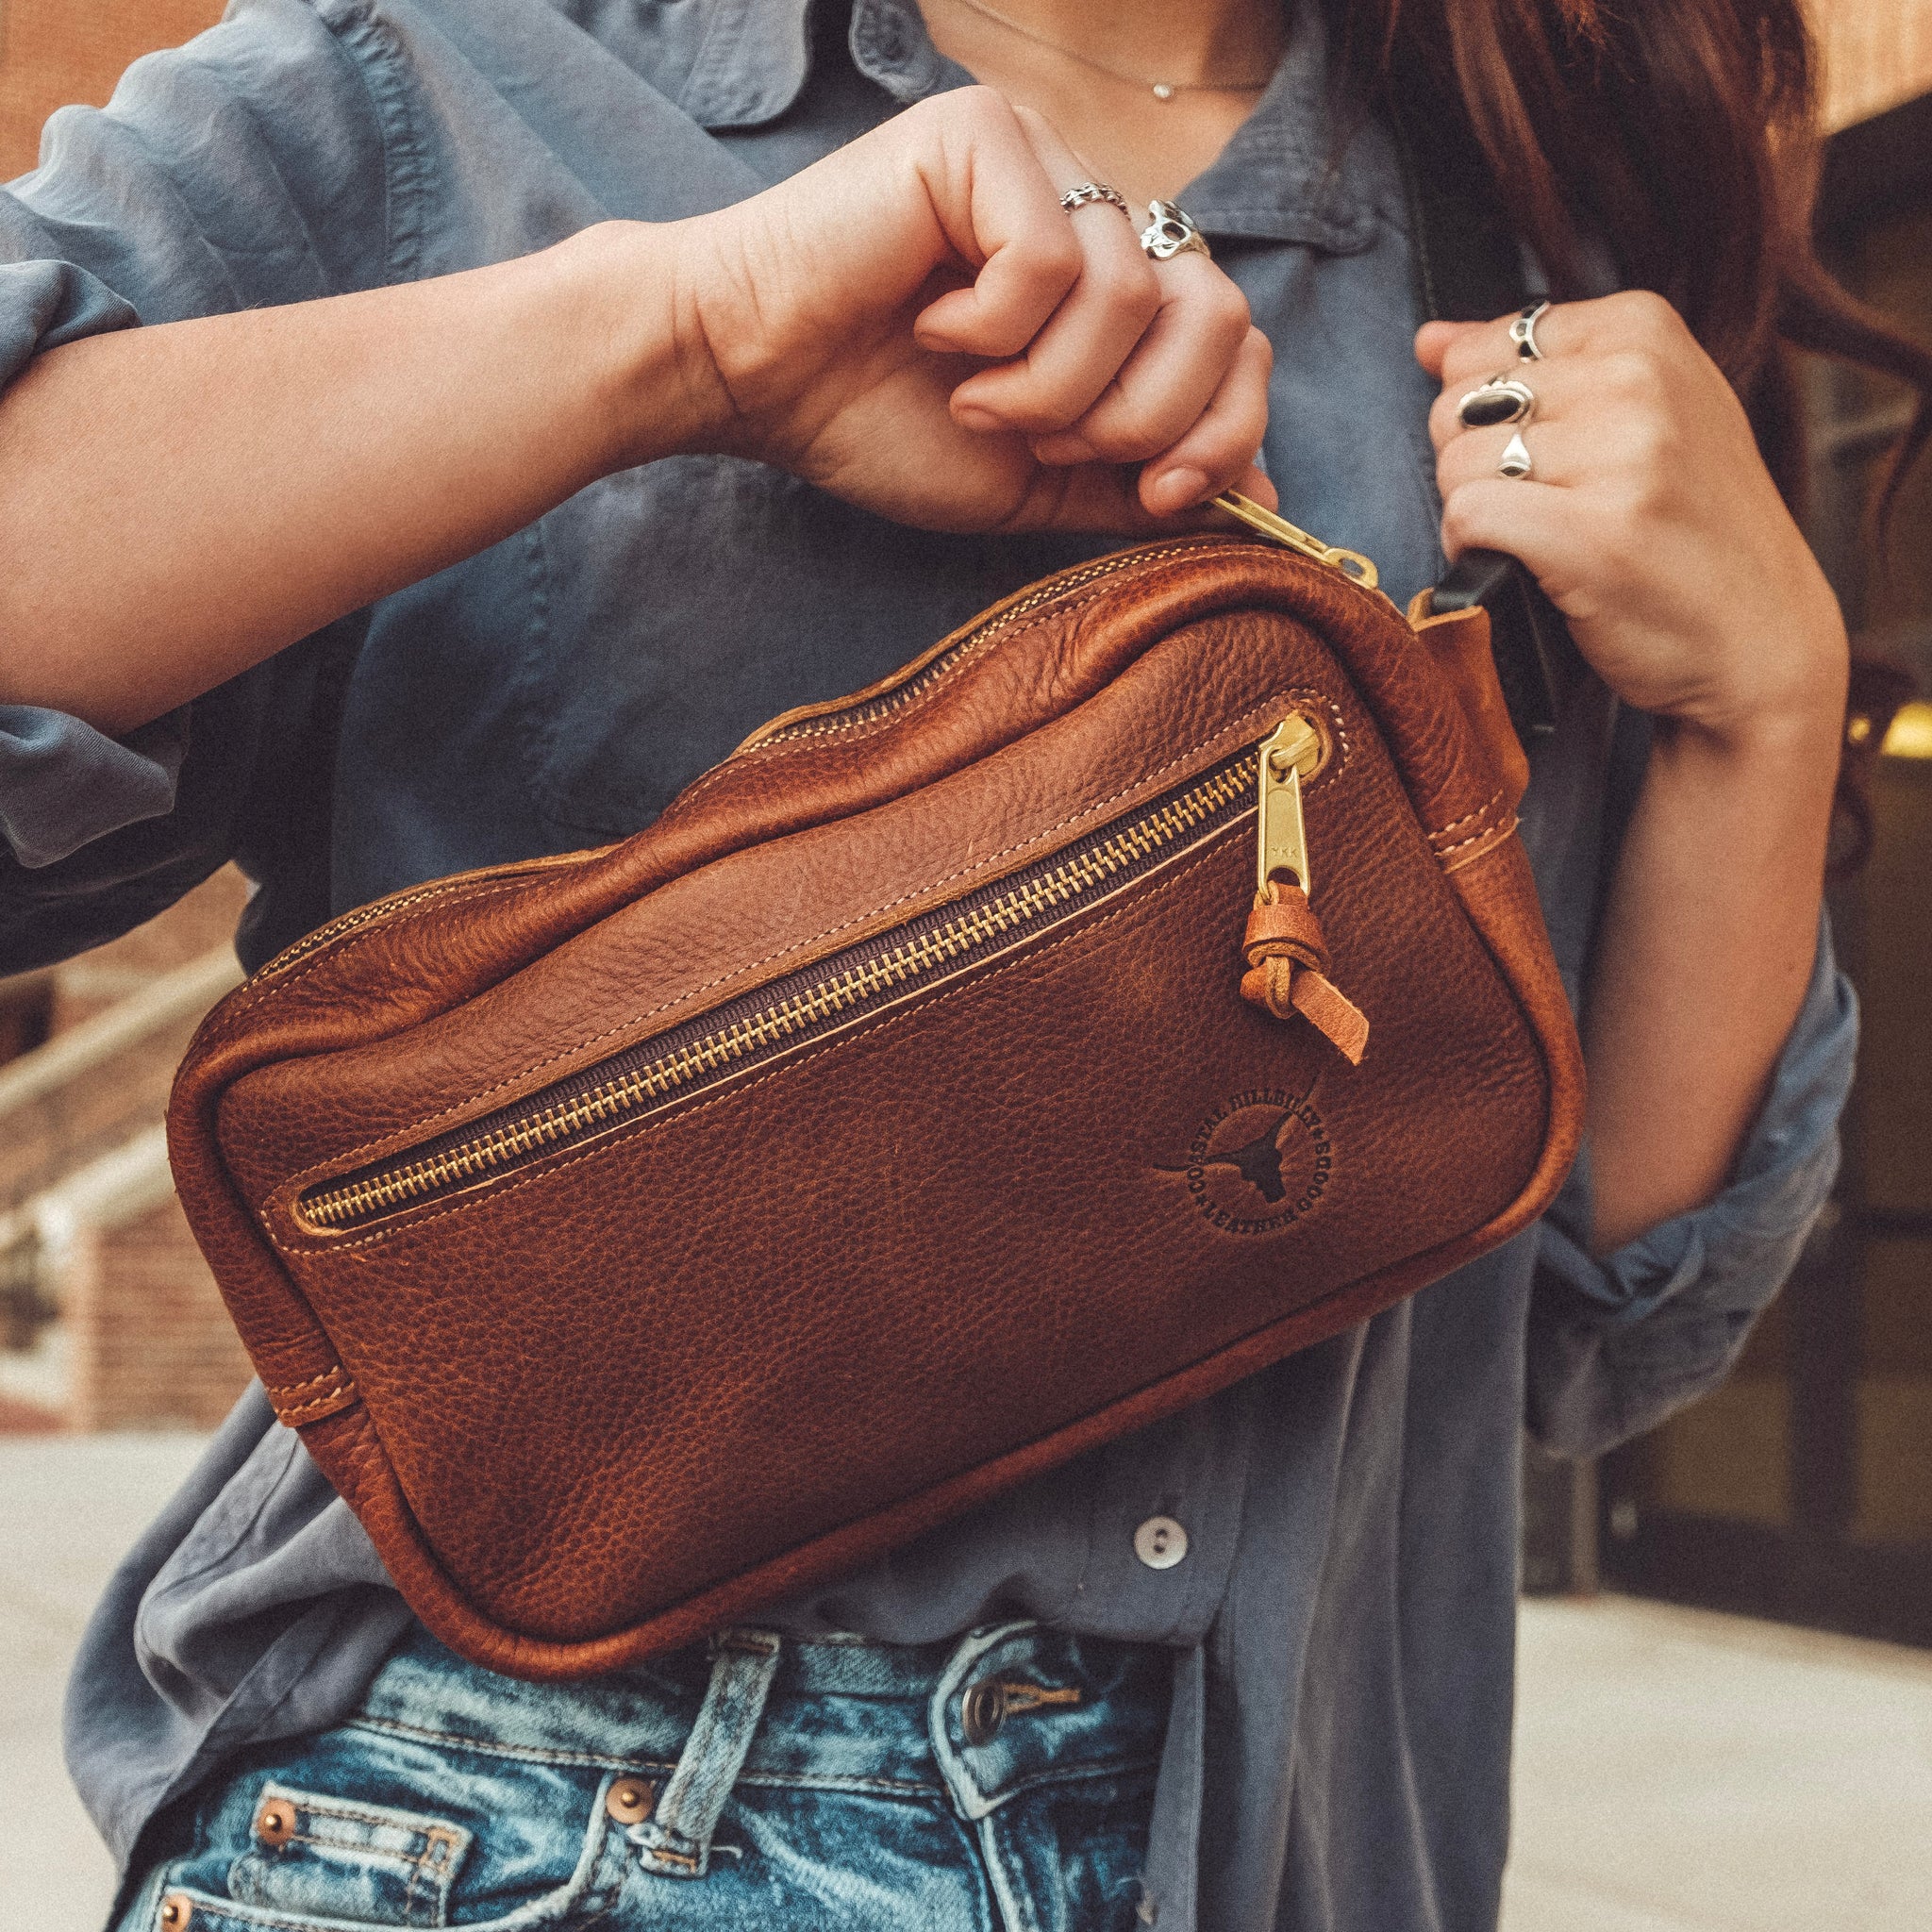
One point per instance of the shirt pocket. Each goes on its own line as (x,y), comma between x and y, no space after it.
(340,1859)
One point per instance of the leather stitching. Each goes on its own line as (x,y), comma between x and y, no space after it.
(275,1389)
(942,674)
(1483,842)
(348,943)
(1481,831)
(1488,806)
(1021,954)
(335,1161)
(345,1397)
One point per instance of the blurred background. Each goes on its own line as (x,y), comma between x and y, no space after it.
(1726,1676)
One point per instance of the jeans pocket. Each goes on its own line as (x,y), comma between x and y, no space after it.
(371,1864)
(508,1845)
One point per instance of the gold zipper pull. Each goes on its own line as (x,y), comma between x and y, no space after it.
(1281,837)
(1286,954)
(1356,568)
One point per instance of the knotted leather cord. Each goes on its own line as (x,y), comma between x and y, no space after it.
(1287,970)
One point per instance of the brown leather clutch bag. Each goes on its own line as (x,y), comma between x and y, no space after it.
(1144,983)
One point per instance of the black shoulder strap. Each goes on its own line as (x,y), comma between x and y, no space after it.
(1469,268)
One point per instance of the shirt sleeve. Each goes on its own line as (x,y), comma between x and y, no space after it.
(1616,1344)
(250,168)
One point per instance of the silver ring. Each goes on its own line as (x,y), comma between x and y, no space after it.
(1515,464)
(1087,191)
(1171,231)
(1490,405)
(1523,332)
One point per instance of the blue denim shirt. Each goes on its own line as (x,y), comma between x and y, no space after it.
(1342,1623)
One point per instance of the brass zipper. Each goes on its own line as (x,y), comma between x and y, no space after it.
(876,701)
(881,700)
(905,684)
(1356,568)
(816,1001)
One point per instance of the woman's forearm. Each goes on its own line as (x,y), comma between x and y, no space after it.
(1650,517)
(179,502)
(1707,949)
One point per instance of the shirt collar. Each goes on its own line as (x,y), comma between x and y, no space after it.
(1278,179)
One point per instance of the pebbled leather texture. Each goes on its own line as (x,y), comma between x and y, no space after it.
(633,1386)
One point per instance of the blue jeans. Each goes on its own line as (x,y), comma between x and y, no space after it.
(1001,1783)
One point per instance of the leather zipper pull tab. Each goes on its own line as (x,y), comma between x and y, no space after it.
(1284,947)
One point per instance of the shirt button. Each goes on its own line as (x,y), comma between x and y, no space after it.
(1161,1542)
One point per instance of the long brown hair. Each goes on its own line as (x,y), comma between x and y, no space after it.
(1682,135)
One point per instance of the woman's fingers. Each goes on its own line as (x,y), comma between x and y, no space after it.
(1175,371)
(999,211)
(1137,357)
(952,211)
(1533,521)
(1069,361)
(1562,391)
(1219,450)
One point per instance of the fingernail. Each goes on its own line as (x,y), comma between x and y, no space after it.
(1180,488)
(971,416)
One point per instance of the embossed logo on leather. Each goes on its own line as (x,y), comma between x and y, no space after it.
(1259,1162)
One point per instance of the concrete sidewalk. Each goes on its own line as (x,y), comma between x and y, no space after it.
(68,1506)
(1677,1771)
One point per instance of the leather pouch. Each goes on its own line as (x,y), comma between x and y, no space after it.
(925,1097)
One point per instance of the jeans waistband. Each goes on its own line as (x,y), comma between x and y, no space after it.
(978,1720)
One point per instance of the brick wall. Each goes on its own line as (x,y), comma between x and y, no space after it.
(142,1339)
(55,52)
(105,1103)
(149,1341)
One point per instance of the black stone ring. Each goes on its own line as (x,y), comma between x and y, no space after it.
(1501,399)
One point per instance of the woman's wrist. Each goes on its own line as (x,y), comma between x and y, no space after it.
(1791,712)
(622,293)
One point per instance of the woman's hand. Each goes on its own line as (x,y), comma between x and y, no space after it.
(916,324)
(1649,517)
(1651,520)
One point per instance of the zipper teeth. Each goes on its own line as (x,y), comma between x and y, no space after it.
(872,709)
(889,700)
(865,713)
(610,1099)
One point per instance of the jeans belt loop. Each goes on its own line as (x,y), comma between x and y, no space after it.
(676,1840)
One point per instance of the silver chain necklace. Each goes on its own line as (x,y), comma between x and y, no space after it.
(1161,89)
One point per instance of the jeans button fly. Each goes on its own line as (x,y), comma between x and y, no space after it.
(982,1712)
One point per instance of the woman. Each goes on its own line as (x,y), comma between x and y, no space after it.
(435,544)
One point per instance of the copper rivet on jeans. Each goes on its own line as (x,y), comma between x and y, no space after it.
(177,1914)
(274,1823)
(629,1800)
(982,1712)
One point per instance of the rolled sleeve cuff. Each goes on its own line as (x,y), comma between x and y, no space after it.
(63,784)
(1618,1342)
